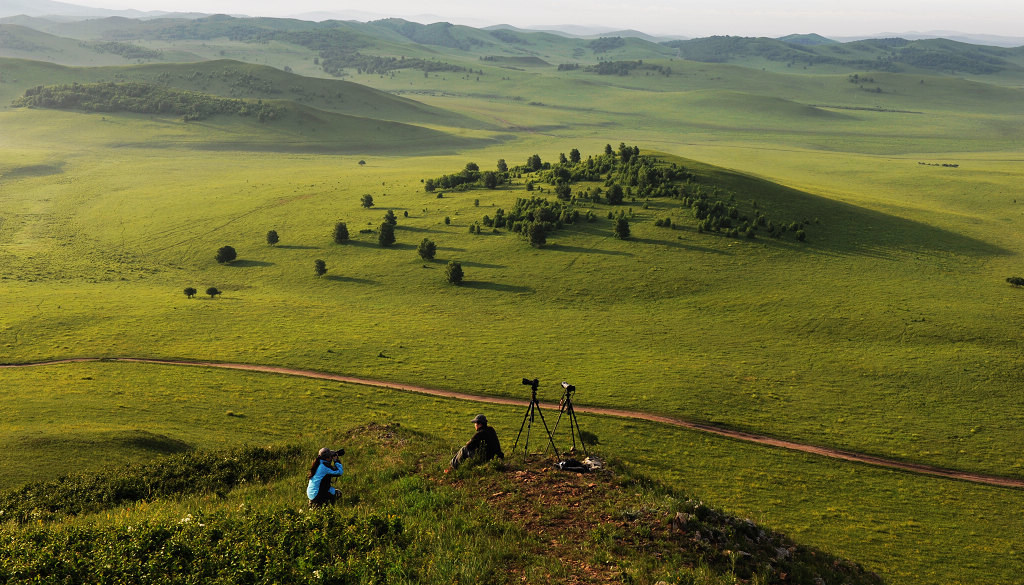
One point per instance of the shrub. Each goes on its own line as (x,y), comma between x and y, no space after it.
(366,201)
(340,232)
(1015,281)
(272,237)
(320,267)
(390,218)
(212,291)
(226,254)
(386,235)
(453,272)
(190,292)
(622,228)
(427,249)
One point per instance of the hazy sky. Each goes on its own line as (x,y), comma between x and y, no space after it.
(736,17)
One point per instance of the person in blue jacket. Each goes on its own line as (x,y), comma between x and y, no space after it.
(325,466)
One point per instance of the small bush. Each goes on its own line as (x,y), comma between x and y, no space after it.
(453,272)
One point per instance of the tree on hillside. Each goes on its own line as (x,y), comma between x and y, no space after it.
(574,156)
(190,292)
(607,148)
(615,194)
(212,291)
(622,228)
(272,237)
(502,166)
(340,232)
(472,167)
(453,272)
(427,249)
(490,179)
(561,158)
(534,163)
(537,234)
(390,218)
(226,254)
(386,235)
(563,191)
(366,201)
(320,267)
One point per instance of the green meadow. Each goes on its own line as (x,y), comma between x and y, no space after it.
(891,330)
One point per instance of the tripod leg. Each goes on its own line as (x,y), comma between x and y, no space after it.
(516,444)
(574,420)
(550,439)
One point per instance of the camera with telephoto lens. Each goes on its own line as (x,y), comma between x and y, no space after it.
(569,388)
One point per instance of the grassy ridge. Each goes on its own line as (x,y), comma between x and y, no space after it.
(873,516)
(385,530)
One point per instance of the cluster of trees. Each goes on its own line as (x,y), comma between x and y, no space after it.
(535,217)
(468,178)
(142,98)
(335,62)
(212,291)
(605,44)
(624,67)
(126,50)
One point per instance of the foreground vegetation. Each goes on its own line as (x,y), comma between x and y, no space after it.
(399,521)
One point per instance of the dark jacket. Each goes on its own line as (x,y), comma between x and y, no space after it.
(488,439)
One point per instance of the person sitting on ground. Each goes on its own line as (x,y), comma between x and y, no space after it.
(325,466)
(484,445)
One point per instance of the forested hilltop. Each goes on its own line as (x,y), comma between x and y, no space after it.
(142,98)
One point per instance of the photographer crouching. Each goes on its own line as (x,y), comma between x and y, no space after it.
(484,445)
(325,466)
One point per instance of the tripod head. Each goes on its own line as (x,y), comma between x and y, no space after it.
(533,384)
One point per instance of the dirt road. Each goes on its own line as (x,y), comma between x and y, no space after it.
(980,478)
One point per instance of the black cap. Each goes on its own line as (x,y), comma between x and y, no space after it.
(479,419)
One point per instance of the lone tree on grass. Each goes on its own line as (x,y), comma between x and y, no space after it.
(226,254)
(213,291)
(190,292)
(340,233)
(367,201)
(320,267)
(453,273)
(272,237)
(622,228)
(427,249)
(389,217)
(386,236)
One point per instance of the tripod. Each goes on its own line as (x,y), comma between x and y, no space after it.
(529,416)
(565,407)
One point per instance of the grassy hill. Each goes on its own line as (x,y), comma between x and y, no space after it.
(889,329)
(225,515)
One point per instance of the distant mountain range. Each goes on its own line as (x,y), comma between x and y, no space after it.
(63,11)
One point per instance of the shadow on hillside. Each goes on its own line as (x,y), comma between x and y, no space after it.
(495,286)
(336,278)
(471,264)
(674,244)
(249,263)
(579,250)
(409,228)
(844,229)
(298,247)
(147,441)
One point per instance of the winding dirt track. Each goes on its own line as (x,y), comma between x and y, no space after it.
(993,480)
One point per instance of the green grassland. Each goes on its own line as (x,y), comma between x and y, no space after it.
(909,529)
(891,330)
